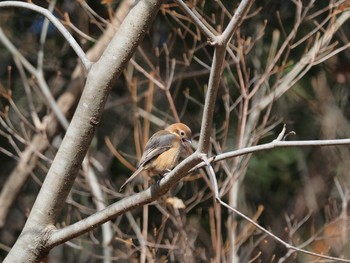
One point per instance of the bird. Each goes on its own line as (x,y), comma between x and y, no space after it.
(163,151)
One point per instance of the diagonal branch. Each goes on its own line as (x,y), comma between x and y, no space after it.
(69,157)
(210,35)
(236,20)
(308,60)
(66,103)
(281,241)
(72,42)
(124,205)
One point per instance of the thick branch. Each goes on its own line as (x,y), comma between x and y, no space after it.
(66,103)
(124,205)
(209,106)
(67,162)
(215,74)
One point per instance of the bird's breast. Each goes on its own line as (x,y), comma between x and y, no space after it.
(165,161)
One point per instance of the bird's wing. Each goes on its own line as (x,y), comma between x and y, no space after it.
(160,142)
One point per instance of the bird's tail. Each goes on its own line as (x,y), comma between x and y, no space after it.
(139,170)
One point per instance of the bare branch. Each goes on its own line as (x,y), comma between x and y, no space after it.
(307,61)
(126,204)
(81,54)
(210,35)
(236,20)
(39,76)
(281,241)
(69,157)
(274,144)
(215,77)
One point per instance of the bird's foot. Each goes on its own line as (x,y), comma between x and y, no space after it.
(167,171)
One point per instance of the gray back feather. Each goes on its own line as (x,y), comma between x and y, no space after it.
(160,142)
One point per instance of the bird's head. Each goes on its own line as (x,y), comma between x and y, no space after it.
(181,130)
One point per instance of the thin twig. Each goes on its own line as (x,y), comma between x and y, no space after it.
(281,241)
(272,145)
(196,20)
(73,43)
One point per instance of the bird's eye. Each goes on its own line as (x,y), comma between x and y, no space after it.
(182,133)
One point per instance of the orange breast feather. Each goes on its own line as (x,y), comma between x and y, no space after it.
(166,161)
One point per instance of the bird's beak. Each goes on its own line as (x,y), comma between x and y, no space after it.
(186,140)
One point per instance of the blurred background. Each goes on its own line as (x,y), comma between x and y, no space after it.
(299,194)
